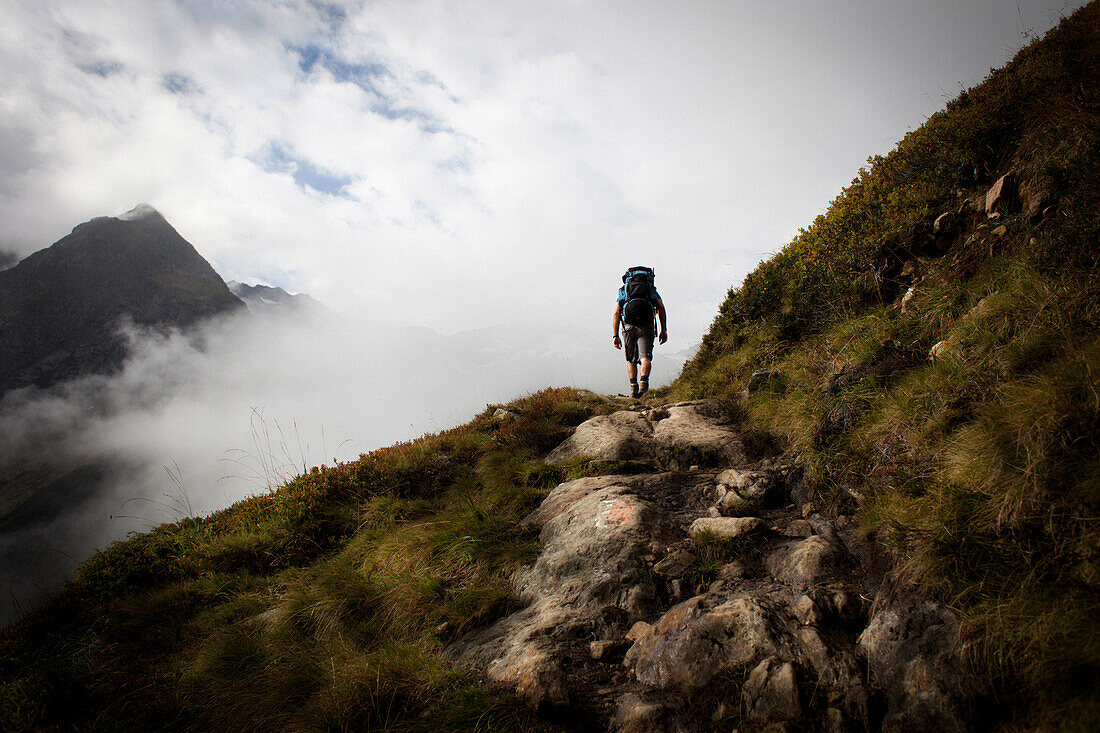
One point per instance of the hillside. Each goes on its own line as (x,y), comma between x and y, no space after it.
(929,349)
(904,399)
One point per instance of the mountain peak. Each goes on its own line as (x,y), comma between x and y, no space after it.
(141,211)
(60,308)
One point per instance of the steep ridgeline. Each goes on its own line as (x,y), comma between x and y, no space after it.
(61,308)
(681,598)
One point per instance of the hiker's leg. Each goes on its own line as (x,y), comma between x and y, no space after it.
(645,349)
(632,370)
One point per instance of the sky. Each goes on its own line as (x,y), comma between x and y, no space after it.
(457,165)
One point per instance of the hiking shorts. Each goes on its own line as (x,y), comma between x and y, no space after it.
(637,343)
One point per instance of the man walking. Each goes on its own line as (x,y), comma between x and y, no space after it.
(637,309)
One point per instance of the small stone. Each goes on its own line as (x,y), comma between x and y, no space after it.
(637,631)
(637,716)
(1000,231)
(676,588)
(736,506)
(995,216)
(771,692)
(713,512)
(805,563)
(799,528)
(807,509)
(732,570)
(832,721)
(727,527)
(1000,193)
(907,300)
(805,610)
(944,223)
(604,648)
(675,565)
(938,351)
(814,648)
(846,605)
(693,469)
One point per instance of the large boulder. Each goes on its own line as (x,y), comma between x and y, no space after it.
(679,436)
(701,637)
(620,436)
(911,650)
(806,563)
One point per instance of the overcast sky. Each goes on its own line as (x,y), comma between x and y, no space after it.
(461,164)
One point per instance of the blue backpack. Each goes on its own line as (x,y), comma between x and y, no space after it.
(638,310)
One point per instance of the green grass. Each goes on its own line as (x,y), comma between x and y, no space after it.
(322,605)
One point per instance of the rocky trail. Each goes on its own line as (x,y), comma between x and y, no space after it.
(705,592)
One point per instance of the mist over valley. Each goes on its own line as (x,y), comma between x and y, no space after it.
(195,418)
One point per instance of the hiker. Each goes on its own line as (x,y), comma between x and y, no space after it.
(637,309)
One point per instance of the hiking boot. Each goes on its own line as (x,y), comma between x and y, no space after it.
(644,388)
(634,393)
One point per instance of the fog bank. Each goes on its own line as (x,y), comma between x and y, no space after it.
(196,422)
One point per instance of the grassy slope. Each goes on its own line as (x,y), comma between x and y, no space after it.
(979,469)
(325,604)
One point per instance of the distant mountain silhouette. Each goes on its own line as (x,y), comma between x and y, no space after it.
(61,307)
(264,300)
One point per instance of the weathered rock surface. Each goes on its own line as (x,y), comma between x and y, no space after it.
(682,435)
(727,527)
(699,638)
(592,559)
(909,645)
(779,636)
(806,563)
(1001,194)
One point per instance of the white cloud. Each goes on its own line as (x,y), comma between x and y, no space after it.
(485,145)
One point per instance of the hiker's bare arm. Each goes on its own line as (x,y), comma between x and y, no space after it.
(661,315)
(615,326)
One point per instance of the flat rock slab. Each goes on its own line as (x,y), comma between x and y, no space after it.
(685,434)
(592,559)
(727,527)
(566,494)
